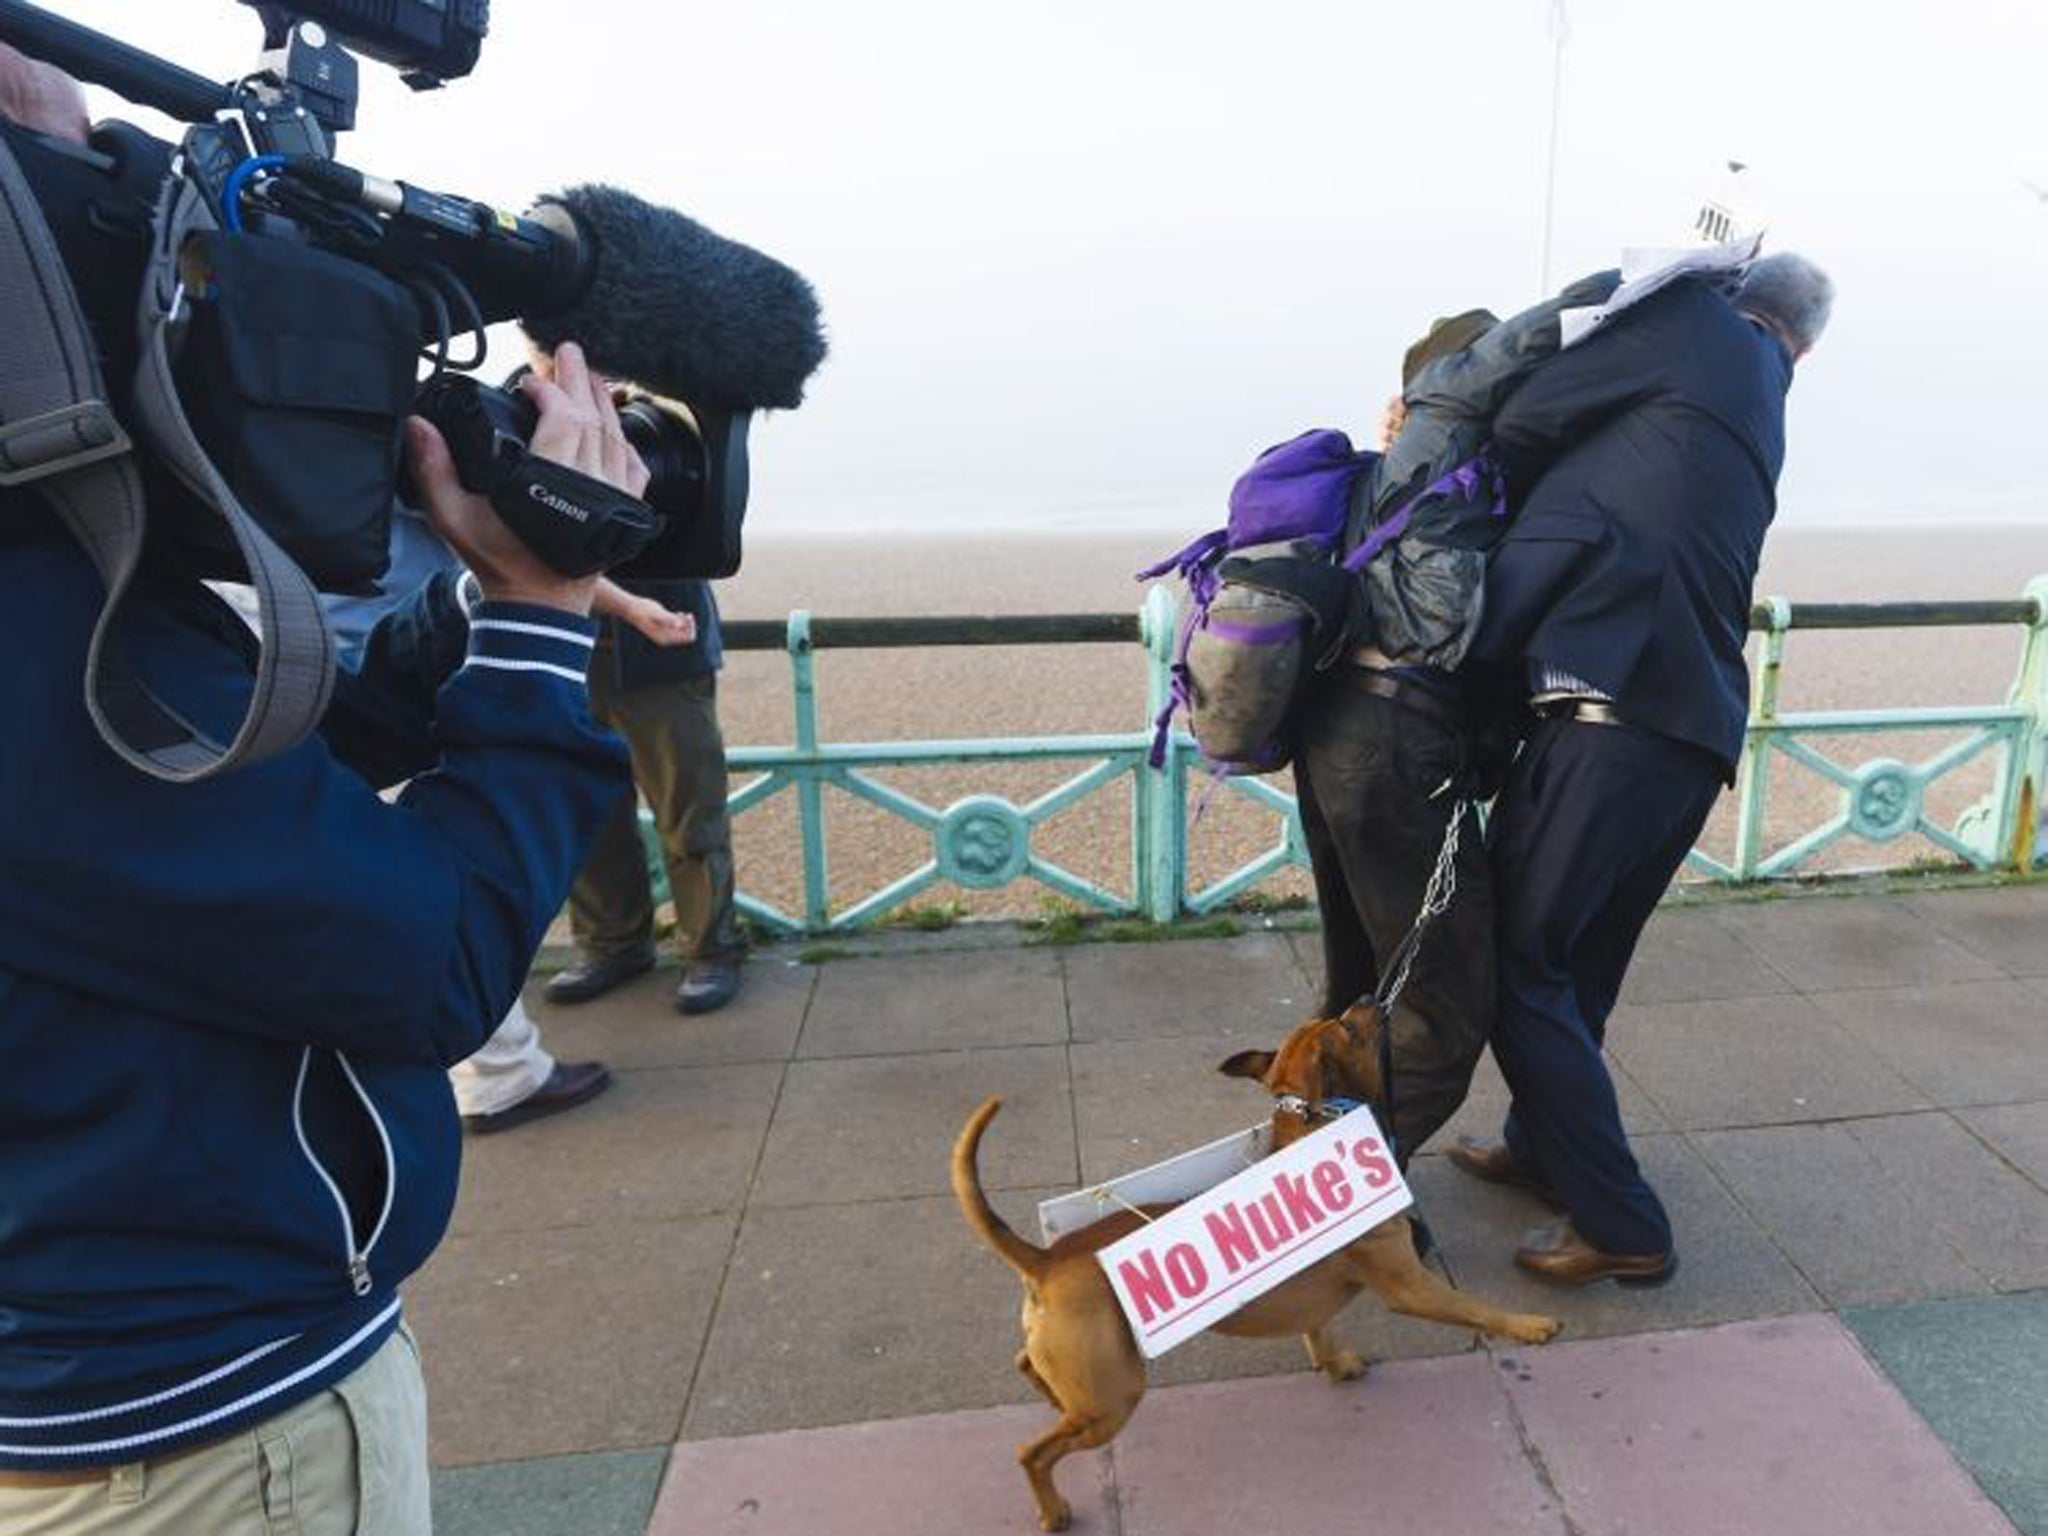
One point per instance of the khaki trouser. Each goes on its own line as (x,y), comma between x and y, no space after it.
(349,1461)
(679,765)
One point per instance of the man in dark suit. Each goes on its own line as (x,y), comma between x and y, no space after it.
(1646,461)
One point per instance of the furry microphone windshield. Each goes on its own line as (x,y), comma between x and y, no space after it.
(682,311)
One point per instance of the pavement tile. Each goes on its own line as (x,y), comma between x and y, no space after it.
(1137,1102)
(1778,1426)
(1425,1446)
(1857,1232)
(882,1127)
(837,1313)
(658,1144)
(638,1026)
(1150,991)
(1848,943)
(1973,1368)
(601,1494)
(1754,1061)
(1728,1268)
(1687,956)
(946,1475)
(1974,1042)
(2016,1132)
(936,1003)
(2005,925)
(1995,1218)
(538,1343)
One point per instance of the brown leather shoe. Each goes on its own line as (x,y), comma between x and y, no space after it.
(1494,1163)
(1559,1254)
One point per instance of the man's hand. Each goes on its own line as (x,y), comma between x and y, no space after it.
(1393,416)
(579,427)
(41,97)
(661,626)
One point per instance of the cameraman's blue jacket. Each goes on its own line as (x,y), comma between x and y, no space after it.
(225,1007)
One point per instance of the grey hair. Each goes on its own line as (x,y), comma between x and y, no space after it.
(1791,293)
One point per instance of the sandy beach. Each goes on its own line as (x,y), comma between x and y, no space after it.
(909,694)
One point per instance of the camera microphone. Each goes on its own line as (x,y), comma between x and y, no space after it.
(681,310)
(651,295)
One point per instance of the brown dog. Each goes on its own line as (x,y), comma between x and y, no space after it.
(1078,1351)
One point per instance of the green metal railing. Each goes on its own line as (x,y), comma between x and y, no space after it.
(985,841)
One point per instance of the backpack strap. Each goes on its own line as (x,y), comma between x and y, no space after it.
(58,434)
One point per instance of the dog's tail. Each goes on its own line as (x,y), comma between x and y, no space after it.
(1021,1256)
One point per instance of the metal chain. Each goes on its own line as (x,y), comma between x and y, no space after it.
(1436,897)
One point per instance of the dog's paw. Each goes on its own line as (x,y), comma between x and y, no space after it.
(1533,1328)
(1057,1518)
(1345,1365)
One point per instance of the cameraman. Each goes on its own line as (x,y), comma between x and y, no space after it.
(226,1135)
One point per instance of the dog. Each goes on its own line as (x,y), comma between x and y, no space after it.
(1078,1351)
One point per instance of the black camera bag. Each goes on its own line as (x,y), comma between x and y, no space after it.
(296,373)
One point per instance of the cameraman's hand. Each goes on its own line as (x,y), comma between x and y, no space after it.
(579,427)
(660,626)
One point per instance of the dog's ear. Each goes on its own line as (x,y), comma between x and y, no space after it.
(1252,1064)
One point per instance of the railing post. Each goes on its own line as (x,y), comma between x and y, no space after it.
(810,788)
(1754,783)
(2030,693)
(1158,812)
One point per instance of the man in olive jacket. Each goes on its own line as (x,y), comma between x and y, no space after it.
(664,701)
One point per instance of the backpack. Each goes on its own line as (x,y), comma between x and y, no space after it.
(1270,598)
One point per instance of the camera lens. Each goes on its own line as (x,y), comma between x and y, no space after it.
(669,446)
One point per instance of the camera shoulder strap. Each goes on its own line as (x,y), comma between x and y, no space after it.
(58,434)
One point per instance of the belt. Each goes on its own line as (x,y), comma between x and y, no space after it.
(1585,711)
(85,1477)
(1410,696)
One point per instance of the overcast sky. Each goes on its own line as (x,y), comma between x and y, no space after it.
(1080,261)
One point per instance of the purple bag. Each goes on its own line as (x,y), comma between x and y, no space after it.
(1238,658)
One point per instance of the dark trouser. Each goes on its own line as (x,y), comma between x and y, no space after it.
(679,765)
(1365,769)
(1585,838)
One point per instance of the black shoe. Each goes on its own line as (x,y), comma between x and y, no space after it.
(570,1084)
(708,985)
(594,978)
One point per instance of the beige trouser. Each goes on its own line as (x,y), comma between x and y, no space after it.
(349,1461)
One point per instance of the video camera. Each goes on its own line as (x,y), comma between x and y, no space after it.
(306,291)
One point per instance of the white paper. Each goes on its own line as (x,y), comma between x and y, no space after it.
(1646,269)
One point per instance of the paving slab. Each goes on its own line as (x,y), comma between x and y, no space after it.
(658,1144)
(838,1313)
(1152,991)
(951,1475)
(1755,1061)
(2016,1132)
(936,1003)
(1138,1101)
(882,1127)
(1995,1218)
(1687,955)
(1728,1267)
(2006,925)
(638,1026)
(1427,1446)
(1779,1426)
(1857,1233)
(601,1494)
(539,1343)
(1973,1369)
(1852,943)
(1970,1042)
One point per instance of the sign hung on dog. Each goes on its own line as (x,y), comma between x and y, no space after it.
(1205,1259)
